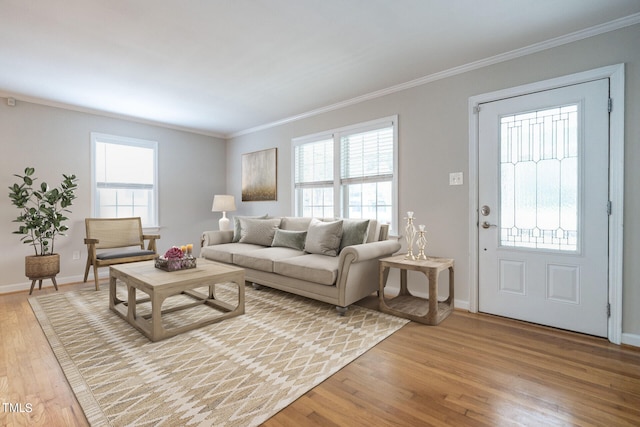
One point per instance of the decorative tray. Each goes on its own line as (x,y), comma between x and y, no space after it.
(175,264)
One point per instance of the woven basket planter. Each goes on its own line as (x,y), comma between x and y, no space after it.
(41,266)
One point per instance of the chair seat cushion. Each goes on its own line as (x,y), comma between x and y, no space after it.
(123,254)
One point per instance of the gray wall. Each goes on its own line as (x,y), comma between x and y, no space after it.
(433,141)
(55,141)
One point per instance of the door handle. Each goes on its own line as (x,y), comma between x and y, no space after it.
(487,225)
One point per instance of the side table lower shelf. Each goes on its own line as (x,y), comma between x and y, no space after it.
(429,311)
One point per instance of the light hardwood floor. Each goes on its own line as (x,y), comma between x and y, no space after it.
(470,370)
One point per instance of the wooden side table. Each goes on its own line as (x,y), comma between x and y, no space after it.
(429,311)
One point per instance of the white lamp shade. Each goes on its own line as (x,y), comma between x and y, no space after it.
(223,203)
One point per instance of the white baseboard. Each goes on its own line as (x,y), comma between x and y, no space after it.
(60,280)
(631,339)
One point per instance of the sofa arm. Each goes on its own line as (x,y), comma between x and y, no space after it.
(358,269)
(216,237)
(368,251)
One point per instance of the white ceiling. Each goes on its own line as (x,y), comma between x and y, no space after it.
(221,67)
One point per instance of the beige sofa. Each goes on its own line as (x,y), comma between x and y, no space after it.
(335,261)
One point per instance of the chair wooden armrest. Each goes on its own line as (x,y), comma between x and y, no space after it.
(152,241)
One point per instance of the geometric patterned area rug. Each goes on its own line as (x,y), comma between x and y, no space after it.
(238,372)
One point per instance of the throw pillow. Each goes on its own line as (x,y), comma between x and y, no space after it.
(323,237)
(237,228)
(295,223)
(289,239)
(354,232)
(258,231)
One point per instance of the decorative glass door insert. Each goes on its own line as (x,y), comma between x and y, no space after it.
(539,179)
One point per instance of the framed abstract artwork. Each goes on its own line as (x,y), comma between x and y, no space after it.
(260,175)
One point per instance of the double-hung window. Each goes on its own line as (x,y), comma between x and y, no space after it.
(124,178)
(349,172)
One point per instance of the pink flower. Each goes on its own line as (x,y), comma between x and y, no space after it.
(174,253)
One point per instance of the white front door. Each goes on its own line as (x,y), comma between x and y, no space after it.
(543,199)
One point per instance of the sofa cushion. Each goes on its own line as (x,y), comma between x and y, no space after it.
(237,227)
(295,223)
(354,232)
(258,231)
(311,267)
(323,238)
(263,259)
(226,251)
(289,239)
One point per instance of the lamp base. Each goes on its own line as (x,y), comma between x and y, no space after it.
(223,223)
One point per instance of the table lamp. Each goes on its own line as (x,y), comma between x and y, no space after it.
(223,203)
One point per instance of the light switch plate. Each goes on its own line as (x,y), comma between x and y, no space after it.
(455,178)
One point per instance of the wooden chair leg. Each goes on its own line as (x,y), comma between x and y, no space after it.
(86,269)
(95,277)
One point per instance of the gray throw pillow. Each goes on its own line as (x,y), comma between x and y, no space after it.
(258,231)
(237,227)
(295,223)
(289,239)
(354,232)
(323,237)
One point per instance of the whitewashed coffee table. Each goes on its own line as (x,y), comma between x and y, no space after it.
(160,285)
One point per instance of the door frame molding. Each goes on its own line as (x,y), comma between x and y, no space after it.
(616,180)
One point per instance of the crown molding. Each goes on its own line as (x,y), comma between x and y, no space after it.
(507,56)
(101,113)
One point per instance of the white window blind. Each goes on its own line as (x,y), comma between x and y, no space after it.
(314,163)
(367,155)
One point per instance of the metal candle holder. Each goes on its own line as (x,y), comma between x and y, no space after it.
(410,234)
(422,241)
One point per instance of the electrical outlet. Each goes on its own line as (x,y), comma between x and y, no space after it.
(76,254)
(455,178)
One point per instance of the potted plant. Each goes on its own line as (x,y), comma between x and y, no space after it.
(41,219)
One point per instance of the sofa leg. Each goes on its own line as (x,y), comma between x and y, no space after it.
(341,310)
(256,286)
